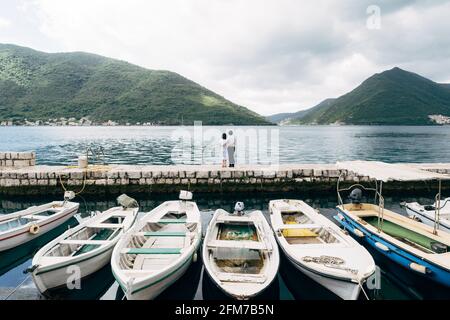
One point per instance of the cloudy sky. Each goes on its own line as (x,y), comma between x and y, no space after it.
(270,56)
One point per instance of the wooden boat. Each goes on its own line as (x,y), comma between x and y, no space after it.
(240,253)
(427,213)
(88,247)
(417,247)
(23,226)
(320,249)
(157,251)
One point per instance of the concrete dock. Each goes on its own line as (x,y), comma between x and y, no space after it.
(114,179)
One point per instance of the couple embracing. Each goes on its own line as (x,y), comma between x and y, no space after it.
(228,144)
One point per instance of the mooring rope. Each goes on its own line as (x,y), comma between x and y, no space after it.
(16,288)
(362,289)
(82,188)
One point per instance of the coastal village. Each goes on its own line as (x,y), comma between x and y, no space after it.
(68,122)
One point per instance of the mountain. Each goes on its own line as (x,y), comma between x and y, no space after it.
(393,97)
(278,117)
(292,118)
(38,86)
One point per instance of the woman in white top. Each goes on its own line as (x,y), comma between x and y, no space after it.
(224,146)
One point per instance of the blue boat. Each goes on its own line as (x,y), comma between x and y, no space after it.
(421,248)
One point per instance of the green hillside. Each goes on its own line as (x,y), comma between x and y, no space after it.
(393,97)
(38,86)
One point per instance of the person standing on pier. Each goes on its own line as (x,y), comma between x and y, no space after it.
(231,148)
(224,145)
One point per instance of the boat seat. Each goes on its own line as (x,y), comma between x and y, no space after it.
(152,250)
(171,221)
(255,245)
(105,225)
(245,278)
(300,226)
(163,234)
(297,233)
(235,219)
(83,242)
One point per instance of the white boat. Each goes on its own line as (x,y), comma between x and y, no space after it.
(158,249)
(320,249)
(23,226)
(240,253)
(88,247)
(427,213)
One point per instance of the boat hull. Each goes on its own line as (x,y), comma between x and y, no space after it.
(344,289)
(18,237)
(65,274)
(391,251)
(152,288)
(425,218)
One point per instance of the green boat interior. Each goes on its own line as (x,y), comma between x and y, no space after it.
(65,250)
(238,260)
(21,221)
(407,236)
(158,244)
(14,223)
(237,231)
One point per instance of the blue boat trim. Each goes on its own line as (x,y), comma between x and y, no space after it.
(402,257)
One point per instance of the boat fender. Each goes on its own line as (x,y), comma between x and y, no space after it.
(194,257)
(381,246)
(340,217)
(419,268)
(358,233)
(34,229)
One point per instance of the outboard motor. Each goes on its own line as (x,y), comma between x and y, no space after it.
(355,196)
(239,208)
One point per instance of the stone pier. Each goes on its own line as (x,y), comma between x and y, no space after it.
(115,179)
(17,159)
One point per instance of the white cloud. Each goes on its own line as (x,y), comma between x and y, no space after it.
(4,23)
(271,56)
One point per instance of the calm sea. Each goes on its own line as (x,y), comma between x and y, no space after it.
(171,145)
(161,145)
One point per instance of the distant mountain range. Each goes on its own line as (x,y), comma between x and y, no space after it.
(393,97)
(39,86)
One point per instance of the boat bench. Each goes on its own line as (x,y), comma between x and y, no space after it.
(162,234)
(84,242)
(245,278)
(300,226)
(237,244)
(105,226)
(170,221)
(152,251)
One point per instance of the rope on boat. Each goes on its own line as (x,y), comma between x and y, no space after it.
(335,262)
(16,288)
(330,261)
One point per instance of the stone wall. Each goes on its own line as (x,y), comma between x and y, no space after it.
(17,159)
(145,179)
